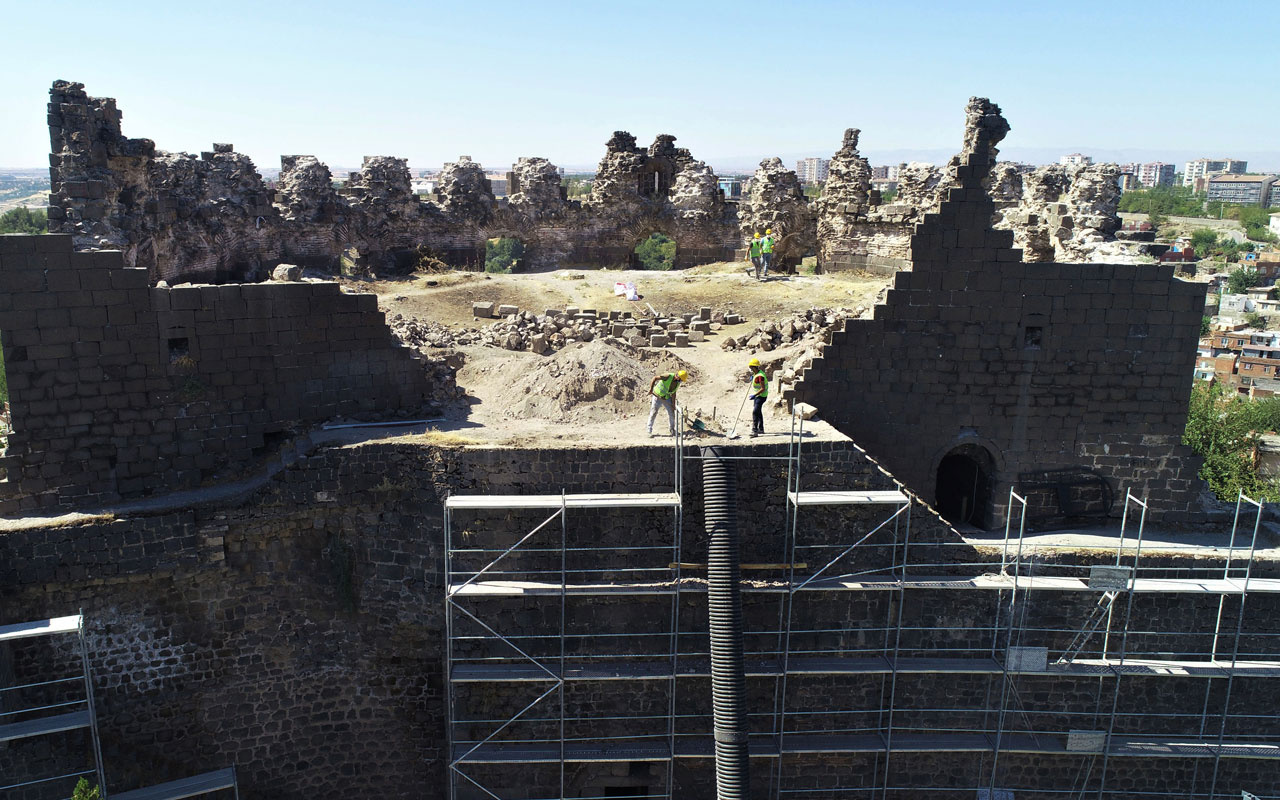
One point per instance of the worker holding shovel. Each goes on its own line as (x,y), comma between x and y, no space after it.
(663,391)
(759,392)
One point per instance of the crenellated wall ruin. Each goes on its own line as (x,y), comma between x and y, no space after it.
(212,218)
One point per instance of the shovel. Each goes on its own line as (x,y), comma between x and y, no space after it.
(733,432)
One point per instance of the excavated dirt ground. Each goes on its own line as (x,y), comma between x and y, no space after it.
(595,392)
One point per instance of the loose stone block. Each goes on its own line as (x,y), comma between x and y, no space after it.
(506,311)
(680,340)
(482,310)
(696,336)
(658,340)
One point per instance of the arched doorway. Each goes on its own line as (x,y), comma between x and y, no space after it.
(965,483)
(503,254)
(655,251)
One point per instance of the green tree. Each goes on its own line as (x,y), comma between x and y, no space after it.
(1203,240)
(24,220)
(502,254)
(1241,280)
(1255,320)
(1179,201)
(1205,325)
(656,252)
(1224,432)
(84,791)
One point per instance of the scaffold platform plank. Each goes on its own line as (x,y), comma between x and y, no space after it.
(847,498)
(44,725)
(553,501)
(187,787)
(804,743)
(873,584)
(42,627)
(654,749)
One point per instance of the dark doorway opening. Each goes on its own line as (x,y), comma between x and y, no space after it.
(965,484)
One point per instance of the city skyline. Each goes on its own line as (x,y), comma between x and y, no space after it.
(502,80)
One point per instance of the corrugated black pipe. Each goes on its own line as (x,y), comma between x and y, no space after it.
(728,681)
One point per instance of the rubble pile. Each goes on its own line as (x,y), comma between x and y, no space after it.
(696,195)
(556,329)
(813,324)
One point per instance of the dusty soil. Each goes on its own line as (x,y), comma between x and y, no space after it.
(596,391)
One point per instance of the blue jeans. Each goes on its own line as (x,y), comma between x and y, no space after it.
(767,260)
(757,414)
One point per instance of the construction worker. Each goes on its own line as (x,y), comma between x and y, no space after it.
(766,251)
(754,251)
(663,390)
(759,393)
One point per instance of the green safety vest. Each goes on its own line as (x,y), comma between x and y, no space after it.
(760,384)
(755,248)
(767,244)
(667,386)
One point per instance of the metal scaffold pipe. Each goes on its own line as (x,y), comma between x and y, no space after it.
(724,599)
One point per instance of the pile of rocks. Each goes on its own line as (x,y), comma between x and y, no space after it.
(813,324)
(555,328)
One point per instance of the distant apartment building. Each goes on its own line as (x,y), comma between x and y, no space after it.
(1156,173)
(886,172)
(884,185)
(1075,160)
(1243,190)
(1274,224)
(1202,168)
(813,170)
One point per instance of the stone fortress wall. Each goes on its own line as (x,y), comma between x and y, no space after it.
(212,218)
(1039,374)
(300,634)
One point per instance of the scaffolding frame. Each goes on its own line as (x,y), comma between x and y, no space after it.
(455,604)
(87,718)
(1007,725)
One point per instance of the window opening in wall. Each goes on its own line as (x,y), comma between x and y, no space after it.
(964,486)
(503,254)
(657,251)
(271,441)
(179,348)
(1033,337)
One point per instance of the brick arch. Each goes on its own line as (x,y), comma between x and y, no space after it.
(969,457)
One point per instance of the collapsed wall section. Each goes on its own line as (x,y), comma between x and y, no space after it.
(1042,375)
(118,389)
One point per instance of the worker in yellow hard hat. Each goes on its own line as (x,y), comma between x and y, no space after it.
(758,393)
(767,244)
(753,250)
(663,391)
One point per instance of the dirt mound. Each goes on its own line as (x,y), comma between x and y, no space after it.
(588,382)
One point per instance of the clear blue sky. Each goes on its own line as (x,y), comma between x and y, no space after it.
(496,80)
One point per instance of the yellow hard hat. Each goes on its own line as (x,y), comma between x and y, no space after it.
(682,375)
(768,230)
(756,235)
(755,362)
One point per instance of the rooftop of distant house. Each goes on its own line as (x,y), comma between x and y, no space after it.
(1240,178)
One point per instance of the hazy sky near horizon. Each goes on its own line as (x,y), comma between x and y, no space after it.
(496,80)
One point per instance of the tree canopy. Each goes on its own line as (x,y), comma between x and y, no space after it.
(656,252)
(1224,431)
(502,254)
(24,220)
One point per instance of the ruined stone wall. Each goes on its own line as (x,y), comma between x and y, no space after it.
(212,218)
(1043,367)
(120,390)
